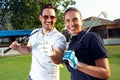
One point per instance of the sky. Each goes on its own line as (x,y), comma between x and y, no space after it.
(90,8)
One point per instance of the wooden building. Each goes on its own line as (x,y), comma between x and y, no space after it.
(108,30)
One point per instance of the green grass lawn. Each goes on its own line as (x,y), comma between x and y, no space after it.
(17,67)
(114,59)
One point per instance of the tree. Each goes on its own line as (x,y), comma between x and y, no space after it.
(24,13)
(3,12)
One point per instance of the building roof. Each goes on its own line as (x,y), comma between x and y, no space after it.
(91,23)
(9,33)
(94,21)
(93,18)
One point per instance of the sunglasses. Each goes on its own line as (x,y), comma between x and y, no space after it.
(51,17)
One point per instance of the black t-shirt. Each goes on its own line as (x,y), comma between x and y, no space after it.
(87,51)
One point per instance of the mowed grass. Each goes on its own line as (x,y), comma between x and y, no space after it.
(114,59)
(17,67)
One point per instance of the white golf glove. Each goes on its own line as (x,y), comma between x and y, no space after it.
(47,49)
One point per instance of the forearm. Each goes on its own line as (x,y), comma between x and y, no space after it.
(24,50)
(95,71)
(100,70)
(57,56)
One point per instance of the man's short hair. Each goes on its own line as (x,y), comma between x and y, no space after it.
(47,6)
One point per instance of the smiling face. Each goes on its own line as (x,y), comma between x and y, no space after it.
(73,22)
(48,19)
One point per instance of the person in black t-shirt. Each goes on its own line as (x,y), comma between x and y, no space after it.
(86,59)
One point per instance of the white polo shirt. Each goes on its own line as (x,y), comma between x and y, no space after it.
(42,67)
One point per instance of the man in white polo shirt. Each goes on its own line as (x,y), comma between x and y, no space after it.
(47,46)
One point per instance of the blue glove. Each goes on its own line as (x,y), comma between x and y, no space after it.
(71,58)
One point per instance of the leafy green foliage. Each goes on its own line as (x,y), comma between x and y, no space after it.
(24,13)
